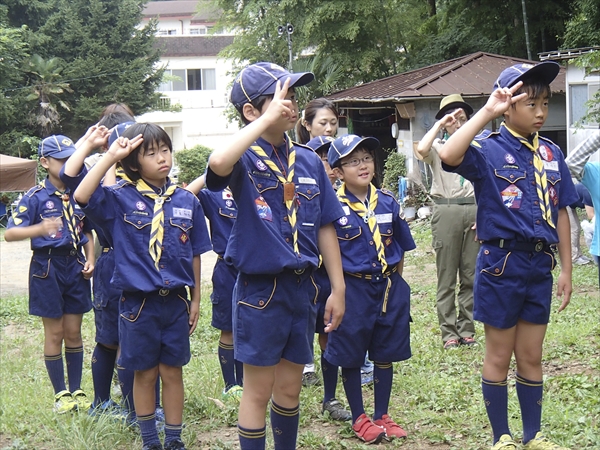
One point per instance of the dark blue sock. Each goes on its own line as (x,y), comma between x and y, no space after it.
(284,422)
(252,439)
(495,397)
(530,395)
(330,378)
(74,357)
(148,429)
(383,373)
(352,387)
(227,364)
(157,393)
(239,373)
(103,364)
(126,382)
(56,372)
(172,432)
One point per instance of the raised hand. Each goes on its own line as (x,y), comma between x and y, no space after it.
(502,98)
(280,108)
(124,146)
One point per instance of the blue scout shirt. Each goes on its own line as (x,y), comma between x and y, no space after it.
(126,215)
(501,170)
(261,238)
(42,202)
(221,211)
(359,253)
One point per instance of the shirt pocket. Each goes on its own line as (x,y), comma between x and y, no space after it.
(137,229)
(553,177)
(386,231)
(309,209)
(510,175)
(39,267)
(349,233)
(229,213)
(263,184)
(179,236)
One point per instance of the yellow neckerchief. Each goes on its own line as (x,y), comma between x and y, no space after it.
(368,215)
(289,189)
(157,230)
(541,180)
(67,208)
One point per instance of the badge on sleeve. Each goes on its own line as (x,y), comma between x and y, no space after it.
(263,209)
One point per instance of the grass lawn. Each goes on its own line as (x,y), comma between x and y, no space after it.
(436,394)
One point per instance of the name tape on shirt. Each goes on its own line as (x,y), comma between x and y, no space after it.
(305,180)
(551,165)
(182,213)
(384,218)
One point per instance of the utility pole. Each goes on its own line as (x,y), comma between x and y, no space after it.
(526,29)
(289,29)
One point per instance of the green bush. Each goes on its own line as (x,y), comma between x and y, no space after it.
(192,162)
(394,168)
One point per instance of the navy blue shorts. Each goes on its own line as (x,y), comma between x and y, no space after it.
(322,279)
(57,286)
(223,281)
(274,318)
(106,300)
(154,329)
(386,336)
(512,285)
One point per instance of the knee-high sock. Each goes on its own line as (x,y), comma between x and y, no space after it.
(172,432)
(383,374)
(284,422)
(74,357)
(126,382)
(56,372)
(157,392)
(148,429)
(227,364)
(252,439)
(239,373)
(351,379)
(330,378)
(530,395)
(495,396)
(103,364)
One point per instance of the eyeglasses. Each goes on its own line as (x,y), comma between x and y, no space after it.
(355,162)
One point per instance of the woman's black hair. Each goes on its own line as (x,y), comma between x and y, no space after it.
(310,111)
(112,119)
(114,108)
(153,136)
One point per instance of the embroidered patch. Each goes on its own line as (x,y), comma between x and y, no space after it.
(384,218)
(17,221)
(546,153)
(228,203)
(263,209)
(551,165)
(510,159)
(388,242)
(22,208)
(260,165)
(511,197)
(553,195)
(49,204)
(343,220)
(184,238)
(227,195)
(141,206)
(182,213)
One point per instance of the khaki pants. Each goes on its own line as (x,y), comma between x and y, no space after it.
(455,254)
(575,233)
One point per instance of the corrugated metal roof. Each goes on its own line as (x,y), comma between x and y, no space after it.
(471,76)
(173,46)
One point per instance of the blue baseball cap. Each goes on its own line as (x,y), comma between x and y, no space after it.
(320,143)
(118,131)
(344,145)
(56,146)
(545,71)
(261,79)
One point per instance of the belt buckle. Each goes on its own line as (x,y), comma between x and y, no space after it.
(72,252)
(163,292)
(299,271)
(539,246)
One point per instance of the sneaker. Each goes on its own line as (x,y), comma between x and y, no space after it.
(392,429)
(310,379)
(336,410)
(233,393)
(176,444)
(367,431)
(109,408)
(366,378)
(152,447)
(505,442)
(64,402)
(159,415)
(83,404)
(582,260)
(467,341)
(451,343)
(540,442)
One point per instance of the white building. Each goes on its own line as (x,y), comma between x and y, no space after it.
(197,82)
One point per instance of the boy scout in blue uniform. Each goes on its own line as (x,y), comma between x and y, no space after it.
(59,286)
(159,232)
(221,211)
(373,238)
(523,187)
(286,207)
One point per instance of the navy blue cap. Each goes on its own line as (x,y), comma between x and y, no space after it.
(56,146)
(344,145)
(261,79)
(117,131)
(545,71)
(320,143)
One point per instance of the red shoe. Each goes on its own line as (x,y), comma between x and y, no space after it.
(392,429)
(367,431)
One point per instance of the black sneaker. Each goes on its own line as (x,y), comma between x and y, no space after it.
(467,341)
(310,379)
(152,447)
(176,444)
(336,410)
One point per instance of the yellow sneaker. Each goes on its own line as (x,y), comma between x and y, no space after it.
(505,442)
(540,442)
(64,403)
(83,404)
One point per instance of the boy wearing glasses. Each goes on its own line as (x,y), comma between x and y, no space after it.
(373,238)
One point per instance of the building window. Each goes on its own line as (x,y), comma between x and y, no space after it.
(167,32)
(580,95)
(189,80)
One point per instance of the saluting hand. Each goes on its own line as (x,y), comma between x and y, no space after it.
(502,98)
(98,135)
(449,119)
(280,108)
(124,146)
